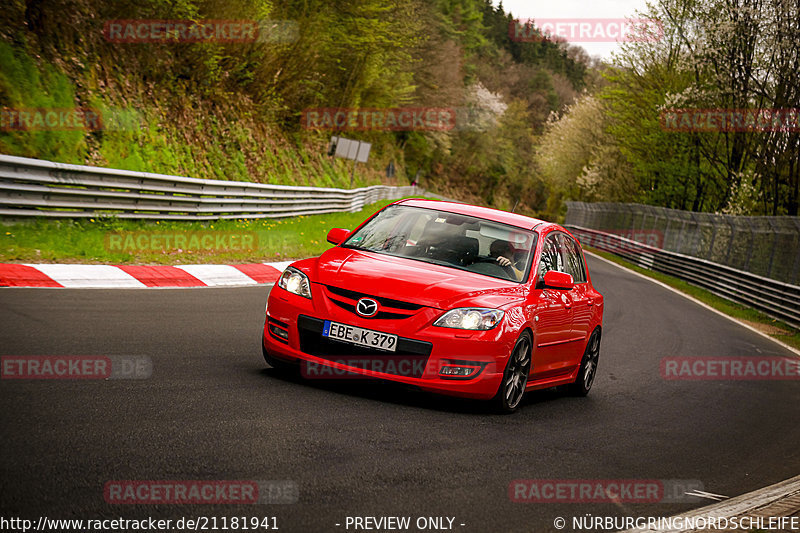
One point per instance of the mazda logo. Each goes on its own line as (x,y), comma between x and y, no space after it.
(367,307)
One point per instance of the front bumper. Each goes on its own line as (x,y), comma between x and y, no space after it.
(293,332)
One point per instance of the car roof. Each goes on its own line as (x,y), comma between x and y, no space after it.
(512,219)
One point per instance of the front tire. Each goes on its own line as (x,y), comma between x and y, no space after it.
(277,364)
(515,376)
(588,370)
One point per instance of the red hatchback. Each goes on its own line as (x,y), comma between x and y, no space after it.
(453,298)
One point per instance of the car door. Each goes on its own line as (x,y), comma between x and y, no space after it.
(582,294)
(553,336)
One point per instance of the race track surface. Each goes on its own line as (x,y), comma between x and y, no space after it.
(213,410)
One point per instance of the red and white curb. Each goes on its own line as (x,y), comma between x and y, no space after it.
(136,276)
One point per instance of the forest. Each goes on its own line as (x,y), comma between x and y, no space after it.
(530,123)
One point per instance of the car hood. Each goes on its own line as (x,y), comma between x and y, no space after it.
(409,280)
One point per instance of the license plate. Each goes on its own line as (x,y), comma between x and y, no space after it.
(360,336)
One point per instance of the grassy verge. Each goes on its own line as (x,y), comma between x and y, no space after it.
(168,132)
(758,320)
(113,241)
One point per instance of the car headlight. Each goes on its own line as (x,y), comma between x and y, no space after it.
(296,282)
(476,318)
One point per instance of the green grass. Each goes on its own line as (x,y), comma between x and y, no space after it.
(25,86)
(102,240)
(179,135)
(757,319)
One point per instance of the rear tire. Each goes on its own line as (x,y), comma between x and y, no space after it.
(515,376)
(588,370)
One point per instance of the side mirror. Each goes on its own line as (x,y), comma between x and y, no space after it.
(337,235)
(558,280)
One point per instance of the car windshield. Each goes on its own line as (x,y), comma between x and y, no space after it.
(449,239)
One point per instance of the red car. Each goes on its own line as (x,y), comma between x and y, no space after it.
(453,298)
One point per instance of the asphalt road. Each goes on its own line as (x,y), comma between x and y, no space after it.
(212,410)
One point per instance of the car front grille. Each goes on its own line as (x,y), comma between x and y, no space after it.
(390,309)
(409,359)
(381,314)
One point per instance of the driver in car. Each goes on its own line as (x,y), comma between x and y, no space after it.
(501,250)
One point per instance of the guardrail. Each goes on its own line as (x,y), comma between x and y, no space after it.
(777,299)
(34,187)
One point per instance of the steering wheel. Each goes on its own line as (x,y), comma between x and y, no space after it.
(490,266)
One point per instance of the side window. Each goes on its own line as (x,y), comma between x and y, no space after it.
(574,260)
(551,258)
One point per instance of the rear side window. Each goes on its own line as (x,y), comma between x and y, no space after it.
(573,258)
(551,258)
(560,252)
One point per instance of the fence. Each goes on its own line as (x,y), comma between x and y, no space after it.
(33,187)
(625,230)
(766,246)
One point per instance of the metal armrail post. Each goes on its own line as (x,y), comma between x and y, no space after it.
(797,256)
